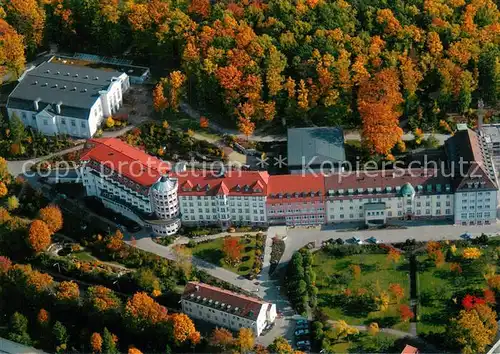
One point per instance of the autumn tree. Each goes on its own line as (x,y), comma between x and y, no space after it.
(115,241)
(232,250)
(141,311)
(12,203)
(12,57)
(393,255)
(473,330)
(52,216)
(183,327)
(246,339)
(280,346)
(3,190)
(43,317)
(378,101)
(159,100)
(39,236)
(5,264)
(373,329)
(200,7)
(356,271)
(68,291)
(246,126)
(28,18)
(133,350)
(221,338)
(203,122)
(405,313)
(397,291)
(342,330)
(96,342)
(101,300)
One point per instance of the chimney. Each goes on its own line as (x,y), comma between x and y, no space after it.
(480,114)
(58,108)
(35,102)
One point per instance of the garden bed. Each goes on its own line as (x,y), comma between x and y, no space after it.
(250,263)
(277,250)
(352,287)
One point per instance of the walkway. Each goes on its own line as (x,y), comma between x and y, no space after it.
(262,137)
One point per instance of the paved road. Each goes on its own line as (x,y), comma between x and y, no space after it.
(420,231)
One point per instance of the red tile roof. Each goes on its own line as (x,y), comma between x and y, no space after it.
(296,187)
(248,307)
(408,349)
(126,160)
(233,183)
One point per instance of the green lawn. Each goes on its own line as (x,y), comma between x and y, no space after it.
(376,274)
(439,286)
(212,252)
(364,343)
(83,256)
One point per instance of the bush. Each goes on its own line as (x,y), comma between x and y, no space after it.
(191,244)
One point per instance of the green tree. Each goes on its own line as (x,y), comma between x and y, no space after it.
(489,74)
(18,329)
(147,280)
(60,335)
(17,130)
(108,343)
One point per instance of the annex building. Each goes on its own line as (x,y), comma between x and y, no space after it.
(145,189)
(57,97)
(226,308)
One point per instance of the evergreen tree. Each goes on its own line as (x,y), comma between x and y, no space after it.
(108,343)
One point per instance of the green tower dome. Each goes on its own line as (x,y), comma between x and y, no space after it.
(407,190)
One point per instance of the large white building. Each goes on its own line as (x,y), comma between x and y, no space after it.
(463,190)
(227,309)
(59,98)
(132,183)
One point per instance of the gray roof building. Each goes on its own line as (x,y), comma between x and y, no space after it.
(75,88)
(314,146)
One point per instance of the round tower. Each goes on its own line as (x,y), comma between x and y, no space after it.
(165,206)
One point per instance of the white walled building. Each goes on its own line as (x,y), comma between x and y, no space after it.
(58,98)
(374,197)
(226,308)
(238,197)
(475,182)
(132,183)
(255,198)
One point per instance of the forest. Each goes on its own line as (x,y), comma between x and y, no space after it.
(368,64)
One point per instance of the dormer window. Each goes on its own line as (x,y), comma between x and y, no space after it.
(378,190)
(429,188)
(246,188)
(360,190)
(398,188)
(388,189)
(447,187)
(207,187)
(438,188)
(280,195)
(370,190)
(350,191)
(296,195)
(330,192)
(238,188)
(341,191)
(420,188)
(198,187)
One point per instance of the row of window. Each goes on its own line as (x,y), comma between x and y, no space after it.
(486,214)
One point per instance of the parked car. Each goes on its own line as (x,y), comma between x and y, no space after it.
(301,332)
(372,240)
(354,241)
(339,241)
(466,236)
(302,322)
(303,343)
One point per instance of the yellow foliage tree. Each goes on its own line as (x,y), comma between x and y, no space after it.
(3,190)
(246,339)
(12,203)
(110,122)
(471,253)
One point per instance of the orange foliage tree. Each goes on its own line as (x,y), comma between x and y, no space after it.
(133,350)
(246,126)
(203,122)
(68,291)
(53,217)
(96,342)
(378,101)
(405,313)
(221,338)
(200,7)
(142,311)
(159,100)
(115,241)
(397,291)
(39,236)
(43,317)
(232,250)
(12,57)
(183,327)
(3,190)
(5,264)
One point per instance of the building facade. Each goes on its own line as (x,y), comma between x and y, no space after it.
(60,98)
(132,183)
(464,191)
(227,309)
